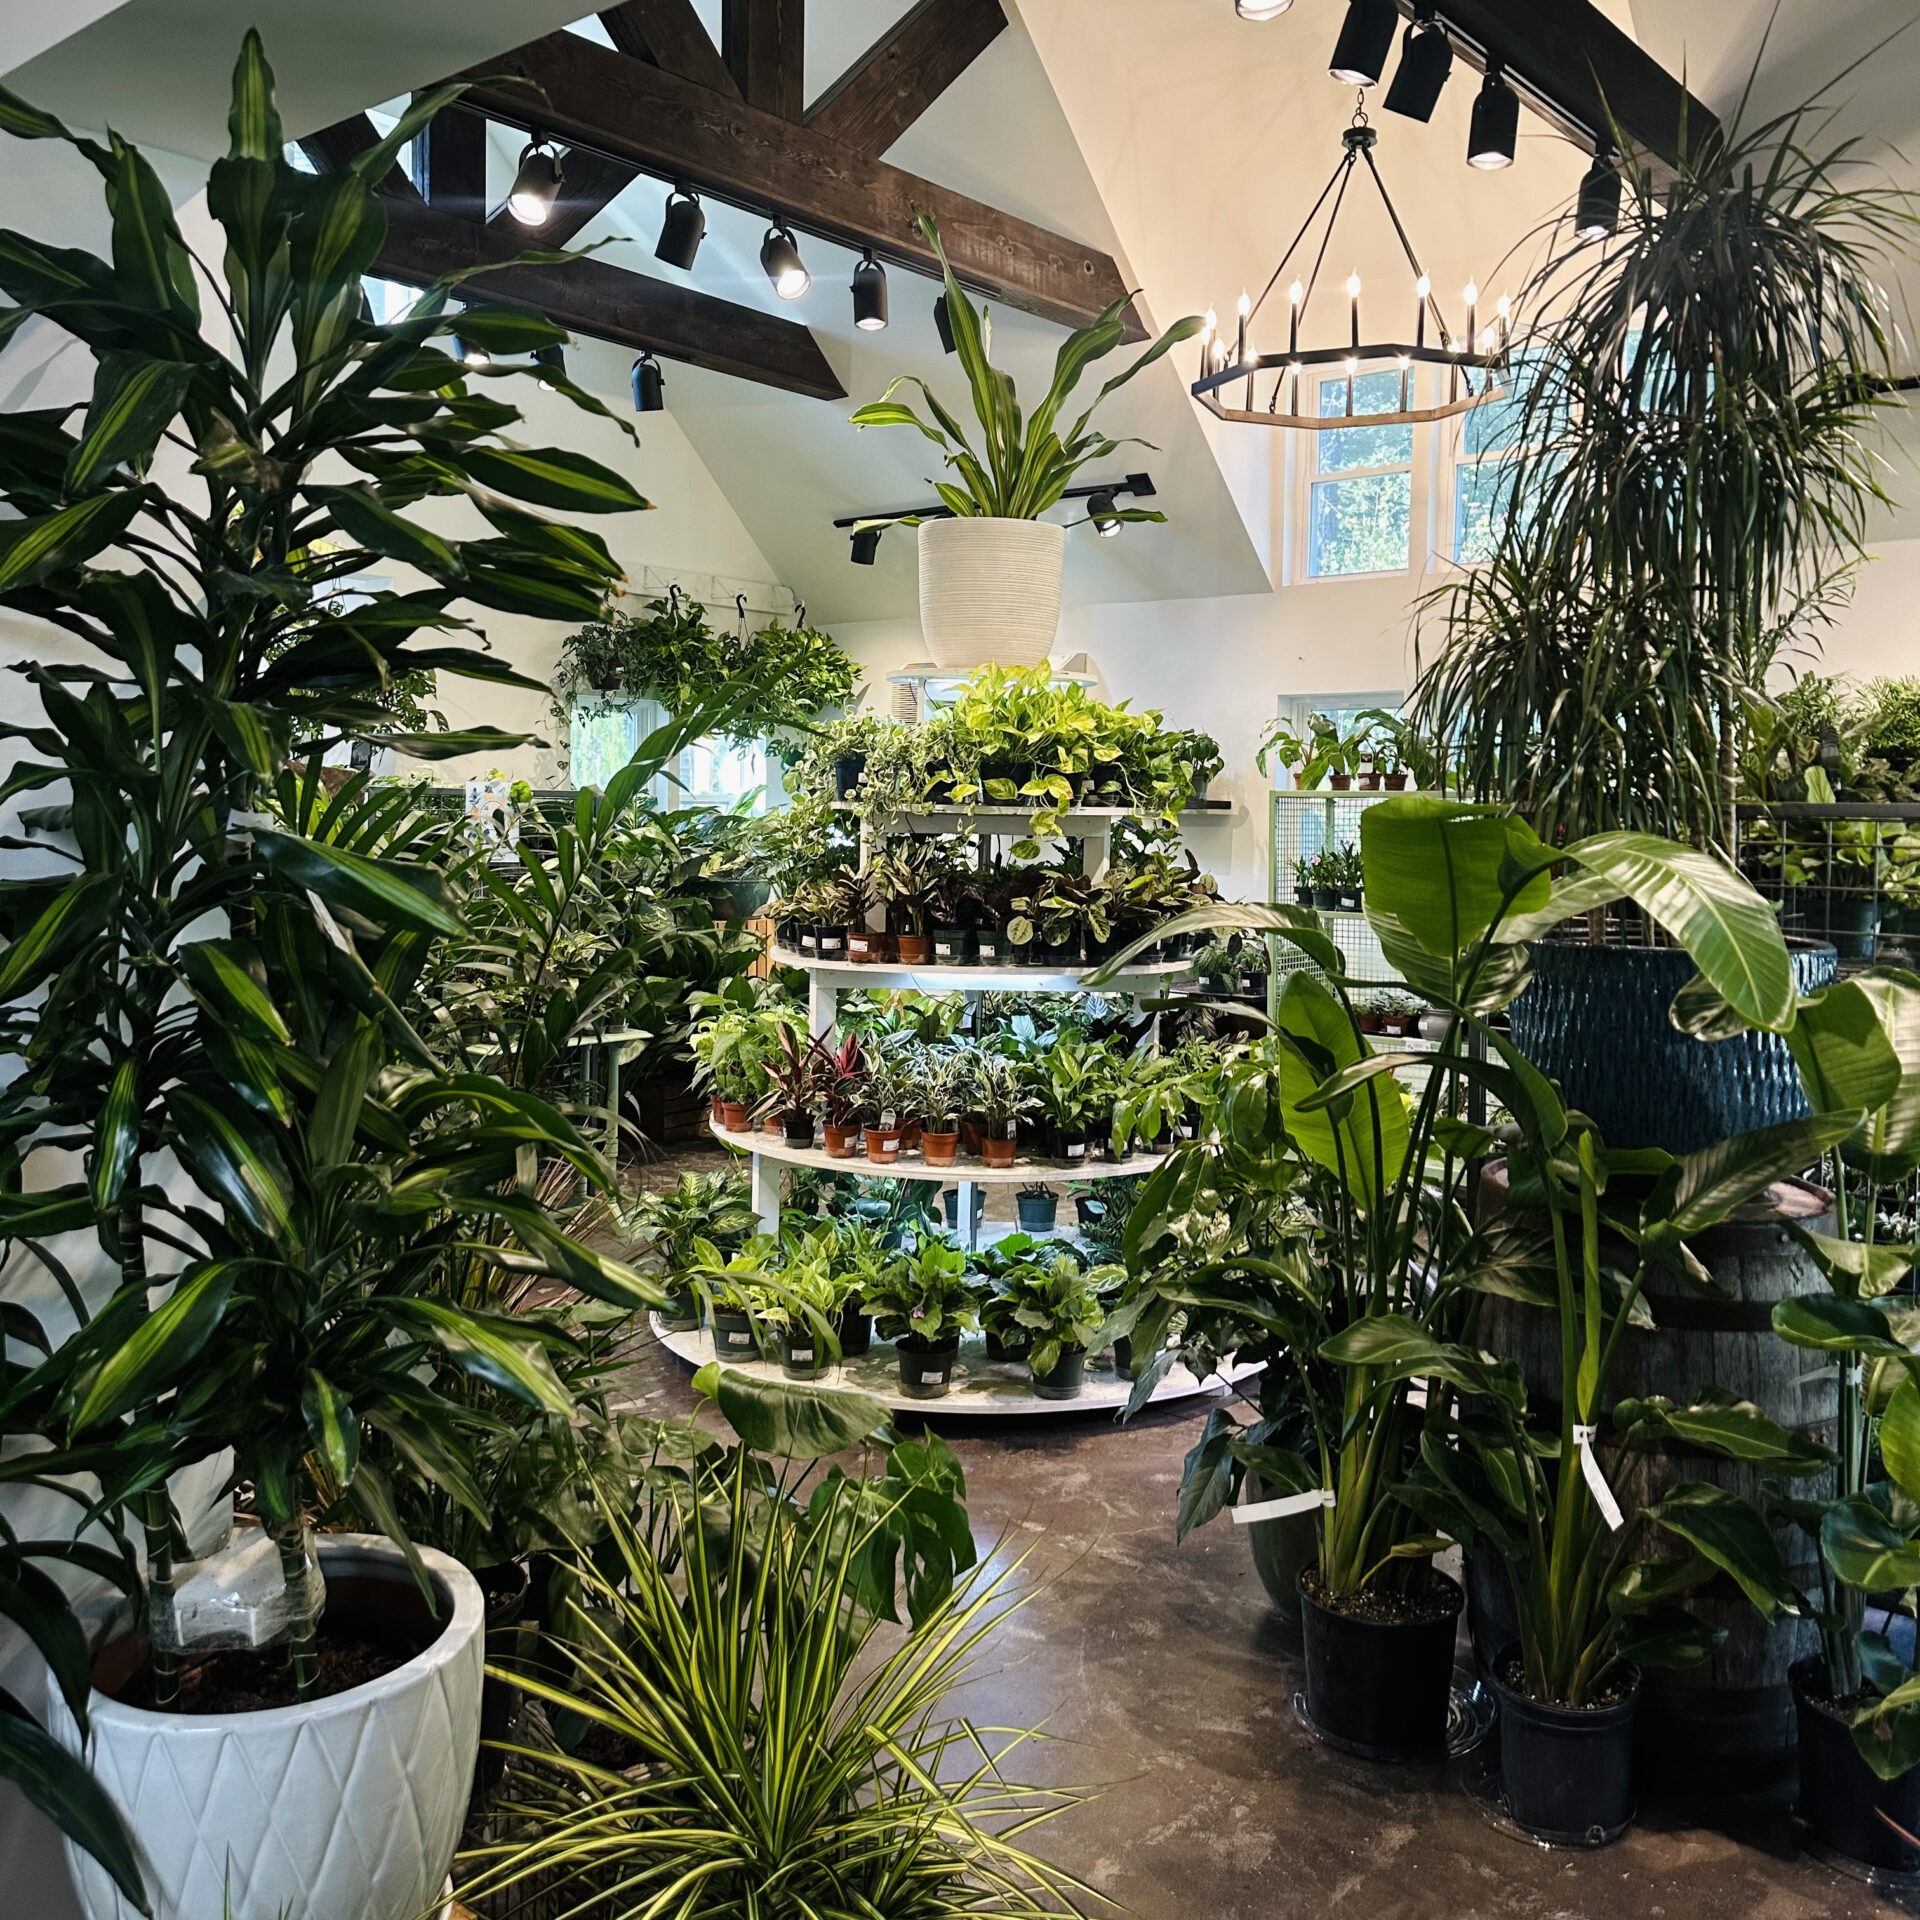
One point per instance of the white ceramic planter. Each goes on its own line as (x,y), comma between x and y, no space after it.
(990,590)
(348,1808)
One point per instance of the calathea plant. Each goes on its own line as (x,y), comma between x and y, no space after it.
(137,994)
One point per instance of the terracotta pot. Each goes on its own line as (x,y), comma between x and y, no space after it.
(886,947)
(1340,782)
(999,1153)
(714,1104)
(916,949)
(734,1115)
(1397,782)
(843,1143)
(773,1123)
(910,1133)
(883,1145)
(941,1149)
(973,1133)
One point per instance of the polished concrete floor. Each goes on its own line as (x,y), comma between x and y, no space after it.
(1164,1679)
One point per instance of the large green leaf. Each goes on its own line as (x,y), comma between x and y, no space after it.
(1865,1549)
(1846,1061)
(793,1419)
(492,1347)
(62,1788)
(1716,1180)
(234,1157)
(1727,928)
(1888,1146)
(387,892)
(32,1600)
(363,516)
(1736,1428)
(134,399)
(229,978)
(1734,1537)
(116,1140)
(553,477)
(1852,1267)
(1363,1138)
(1831,1324)
(1900,1438)
(1442,869)
(1403,1350)
(163,1343)
(1298,926)
(32,549)
(332,1427)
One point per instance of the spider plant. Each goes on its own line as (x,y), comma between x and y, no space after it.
(1685,473)
(1020,469)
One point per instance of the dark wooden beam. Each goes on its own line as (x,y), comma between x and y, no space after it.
(588,181)
(450,163)
(666,126)
(904,72)
(669,34)
(607,302)
(764,43)
(330,148)
(1575,66)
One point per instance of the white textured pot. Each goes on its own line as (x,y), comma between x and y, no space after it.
(990,590)
(347,1808)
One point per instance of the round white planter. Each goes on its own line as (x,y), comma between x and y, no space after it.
(990,590)
(348,1808)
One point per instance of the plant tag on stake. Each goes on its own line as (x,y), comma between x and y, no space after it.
(1281,1508)
(1583,1438)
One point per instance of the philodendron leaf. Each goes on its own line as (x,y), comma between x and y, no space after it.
(1887,1733)
(791,1418)
(1734,1537)
(1833,1325)
(1865,1549)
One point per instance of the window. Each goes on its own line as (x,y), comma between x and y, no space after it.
(1482,474)
(1360,498)
(604,734)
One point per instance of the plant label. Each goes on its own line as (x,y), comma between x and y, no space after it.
(932,1379)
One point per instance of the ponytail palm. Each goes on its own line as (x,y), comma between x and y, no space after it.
(1020,467)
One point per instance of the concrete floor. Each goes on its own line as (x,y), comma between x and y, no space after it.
(1164,1679)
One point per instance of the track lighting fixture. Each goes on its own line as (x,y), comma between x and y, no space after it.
(537,185)
(780,260)
(869,294)
(681,232)
(1426,59)
(552,362)
(1496,123)
(866,543)
(1598,211)
(1101,509)
(1366,38)
(942,325)
(1261,9)
(649,385)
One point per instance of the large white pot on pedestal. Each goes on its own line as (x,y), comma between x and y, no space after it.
(990,590)
(347,1808)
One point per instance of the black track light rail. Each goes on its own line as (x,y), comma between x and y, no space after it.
(1139,485)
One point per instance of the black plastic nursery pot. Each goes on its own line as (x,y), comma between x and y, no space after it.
(1566,1772)
(950,1200)
(681,1314)
(1067,1146)
(803,1355)
(1841,1797)
(1001,1350)
(1037,1211)
(927,1372)
(797,1129)
(990,948)
(505,1587)
(856,1332)
(846,774)
(1066,1377)
(830,943)
(952,946)
(733,1337)
(1379,1688)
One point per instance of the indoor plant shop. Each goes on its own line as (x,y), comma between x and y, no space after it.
(1152,1146)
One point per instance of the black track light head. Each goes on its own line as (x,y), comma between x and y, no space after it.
(649,385)
(537,185)
(869,294)
(866,543)
(1426,59)
(1598,211)
(780,261)
(1366,38)
(943,325)
(681,232)
(1496,123)
(1101,508)
(552,362)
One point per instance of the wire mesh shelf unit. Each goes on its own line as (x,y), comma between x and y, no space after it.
(1846,871)
(1306,823)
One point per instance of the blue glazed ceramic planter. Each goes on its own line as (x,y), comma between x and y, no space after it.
(1596,1020)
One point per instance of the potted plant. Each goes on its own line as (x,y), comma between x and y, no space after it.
(923,1302)
(1217,970)
(1152,1097)
(990,574)
(1001,1099)
(852,899)
(795,1074)
(802,1303)
(945,1082)
(1068,1081)
(733,1285)
(1323,873)
(886,1101)
(841,1072)
(715,1207)
(1061,1310)
(906,878)
(1349,877)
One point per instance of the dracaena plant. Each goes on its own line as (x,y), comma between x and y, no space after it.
(190,525)
(1019,468)
(1370,1283)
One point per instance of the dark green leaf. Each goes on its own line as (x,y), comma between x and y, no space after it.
(792,1419)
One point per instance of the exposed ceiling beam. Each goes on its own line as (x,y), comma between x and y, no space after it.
(450,163)
(588,296)
(904,72)
(588,181)
(764,43)
(669,34)
(1575,66)
(666,126)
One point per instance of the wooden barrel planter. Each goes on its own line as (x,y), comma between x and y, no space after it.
(1728,1723)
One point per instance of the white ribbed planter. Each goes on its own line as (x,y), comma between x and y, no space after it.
(990,590)
(345,1809)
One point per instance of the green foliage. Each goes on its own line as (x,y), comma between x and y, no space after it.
(925,1298)
(1022,466)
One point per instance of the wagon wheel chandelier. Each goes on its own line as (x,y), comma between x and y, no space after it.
(1476,358)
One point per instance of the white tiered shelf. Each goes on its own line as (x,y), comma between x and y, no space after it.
(1024,1172)
(889,974)
(981,1387)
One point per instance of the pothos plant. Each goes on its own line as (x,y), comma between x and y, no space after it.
(137,992)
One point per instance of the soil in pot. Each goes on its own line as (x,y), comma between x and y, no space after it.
(734,1115)
(916,949)
(843,1143)
(1038,1211)
(1379,1666)
(1841,1797)
(1066,1377)
(927,1372)
(883,1145)
(940,1149)
(1567,1772)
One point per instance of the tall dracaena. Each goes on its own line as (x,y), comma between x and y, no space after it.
(214,636)
(1685,481)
